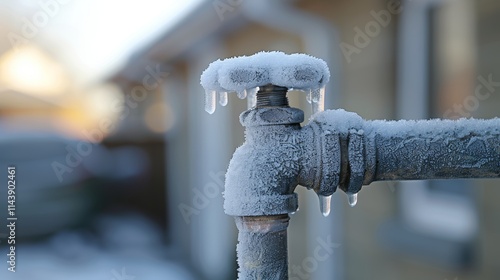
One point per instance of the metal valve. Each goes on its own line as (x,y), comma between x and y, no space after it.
(336,149)
(246,74)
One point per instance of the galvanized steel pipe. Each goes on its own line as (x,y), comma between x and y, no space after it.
(262,247)
(437,149)
(336,149)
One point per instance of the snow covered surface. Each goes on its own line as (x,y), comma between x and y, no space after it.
(131,249)
(344,121)
(244,74)
(268,165)
(340,119)
(459,128)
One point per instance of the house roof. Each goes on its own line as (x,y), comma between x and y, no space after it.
(204,22)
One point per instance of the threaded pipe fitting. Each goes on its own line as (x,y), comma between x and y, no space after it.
(272,96)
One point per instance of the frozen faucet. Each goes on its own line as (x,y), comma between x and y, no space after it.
(335,149)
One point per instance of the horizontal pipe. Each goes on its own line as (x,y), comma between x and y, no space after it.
(435,149)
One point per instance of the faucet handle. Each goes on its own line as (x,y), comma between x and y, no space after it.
(245,75)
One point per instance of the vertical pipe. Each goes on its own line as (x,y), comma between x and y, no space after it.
(262,247)
(320,43)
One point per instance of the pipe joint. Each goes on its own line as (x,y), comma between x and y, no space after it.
(263,172)
(279,154)
(347,155)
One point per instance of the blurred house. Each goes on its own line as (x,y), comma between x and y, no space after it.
(389,60)
(386,57)
(82,197)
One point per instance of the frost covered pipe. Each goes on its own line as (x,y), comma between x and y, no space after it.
(319,38)
(336,149)
(435,149)
(339,148)
(410,150)
(262,247)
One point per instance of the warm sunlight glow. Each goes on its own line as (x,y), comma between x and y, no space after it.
(28,70)
(159,117)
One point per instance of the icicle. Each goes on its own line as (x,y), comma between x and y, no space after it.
(319,95)
(318,100)
(242,94)
(252,98)
(315,95)
(210,101)
(309,96)
(223,98)
(352,198)
(324,204)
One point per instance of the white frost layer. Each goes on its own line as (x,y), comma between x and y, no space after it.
(246,73)
(460,128)
(297,71)
(344,121)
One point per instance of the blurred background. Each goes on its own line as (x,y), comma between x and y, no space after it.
(120,170)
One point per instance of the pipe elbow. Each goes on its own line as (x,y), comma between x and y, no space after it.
(264,171)
(330,152)
(260,181)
